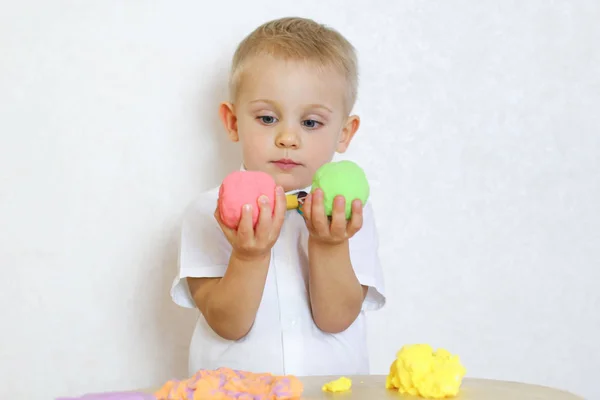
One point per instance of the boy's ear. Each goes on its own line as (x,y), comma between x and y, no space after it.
(229,120)
(348,131)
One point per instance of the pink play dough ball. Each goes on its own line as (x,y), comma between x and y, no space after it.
(244,187)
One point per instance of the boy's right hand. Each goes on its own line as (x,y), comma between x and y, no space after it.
(253,244)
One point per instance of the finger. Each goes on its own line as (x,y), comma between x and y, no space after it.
(338,217)
(263,225)
(307,211)
(280,209)
(229,233)
(318,218)
(245,231)
(356,221)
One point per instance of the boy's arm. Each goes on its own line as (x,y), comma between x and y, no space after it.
(336,295)
(230,303)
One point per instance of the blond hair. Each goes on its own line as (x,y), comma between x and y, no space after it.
(300,39)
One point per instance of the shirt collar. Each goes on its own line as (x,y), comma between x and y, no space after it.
(306,189)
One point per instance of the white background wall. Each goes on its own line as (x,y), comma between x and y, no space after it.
(480,131)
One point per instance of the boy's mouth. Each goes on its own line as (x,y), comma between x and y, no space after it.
(286,163)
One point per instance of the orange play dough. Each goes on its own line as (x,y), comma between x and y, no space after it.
(228,384)
(240,188)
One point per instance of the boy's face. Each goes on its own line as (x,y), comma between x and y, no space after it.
(290,118)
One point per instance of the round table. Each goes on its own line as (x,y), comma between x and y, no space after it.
(372,387)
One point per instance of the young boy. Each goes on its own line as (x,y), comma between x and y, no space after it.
(287,297)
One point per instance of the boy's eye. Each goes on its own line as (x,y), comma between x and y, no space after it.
(267,119)
(311,123)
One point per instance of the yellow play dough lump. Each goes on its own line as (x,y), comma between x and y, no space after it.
(418,370)
(339,385)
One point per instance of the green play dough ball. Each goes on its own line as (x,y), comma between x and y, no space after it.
(341,178)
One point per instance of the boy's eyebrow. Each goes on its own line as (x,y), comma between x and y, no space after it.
(320,106)
(273,103)
(263,101)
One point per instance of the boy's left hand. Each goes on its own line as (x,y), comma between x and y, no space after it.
(338,229)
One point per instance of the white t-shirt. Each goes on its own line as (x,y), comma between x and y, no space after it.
(284,338)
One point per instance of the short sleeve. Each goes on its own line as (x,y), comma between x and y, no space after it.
(364,254)
(203,248)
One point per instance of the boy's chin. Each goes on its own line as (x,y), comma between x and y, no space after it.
(290,182)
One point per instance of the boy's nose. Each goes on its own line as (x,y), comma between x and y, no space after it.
(287,139)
